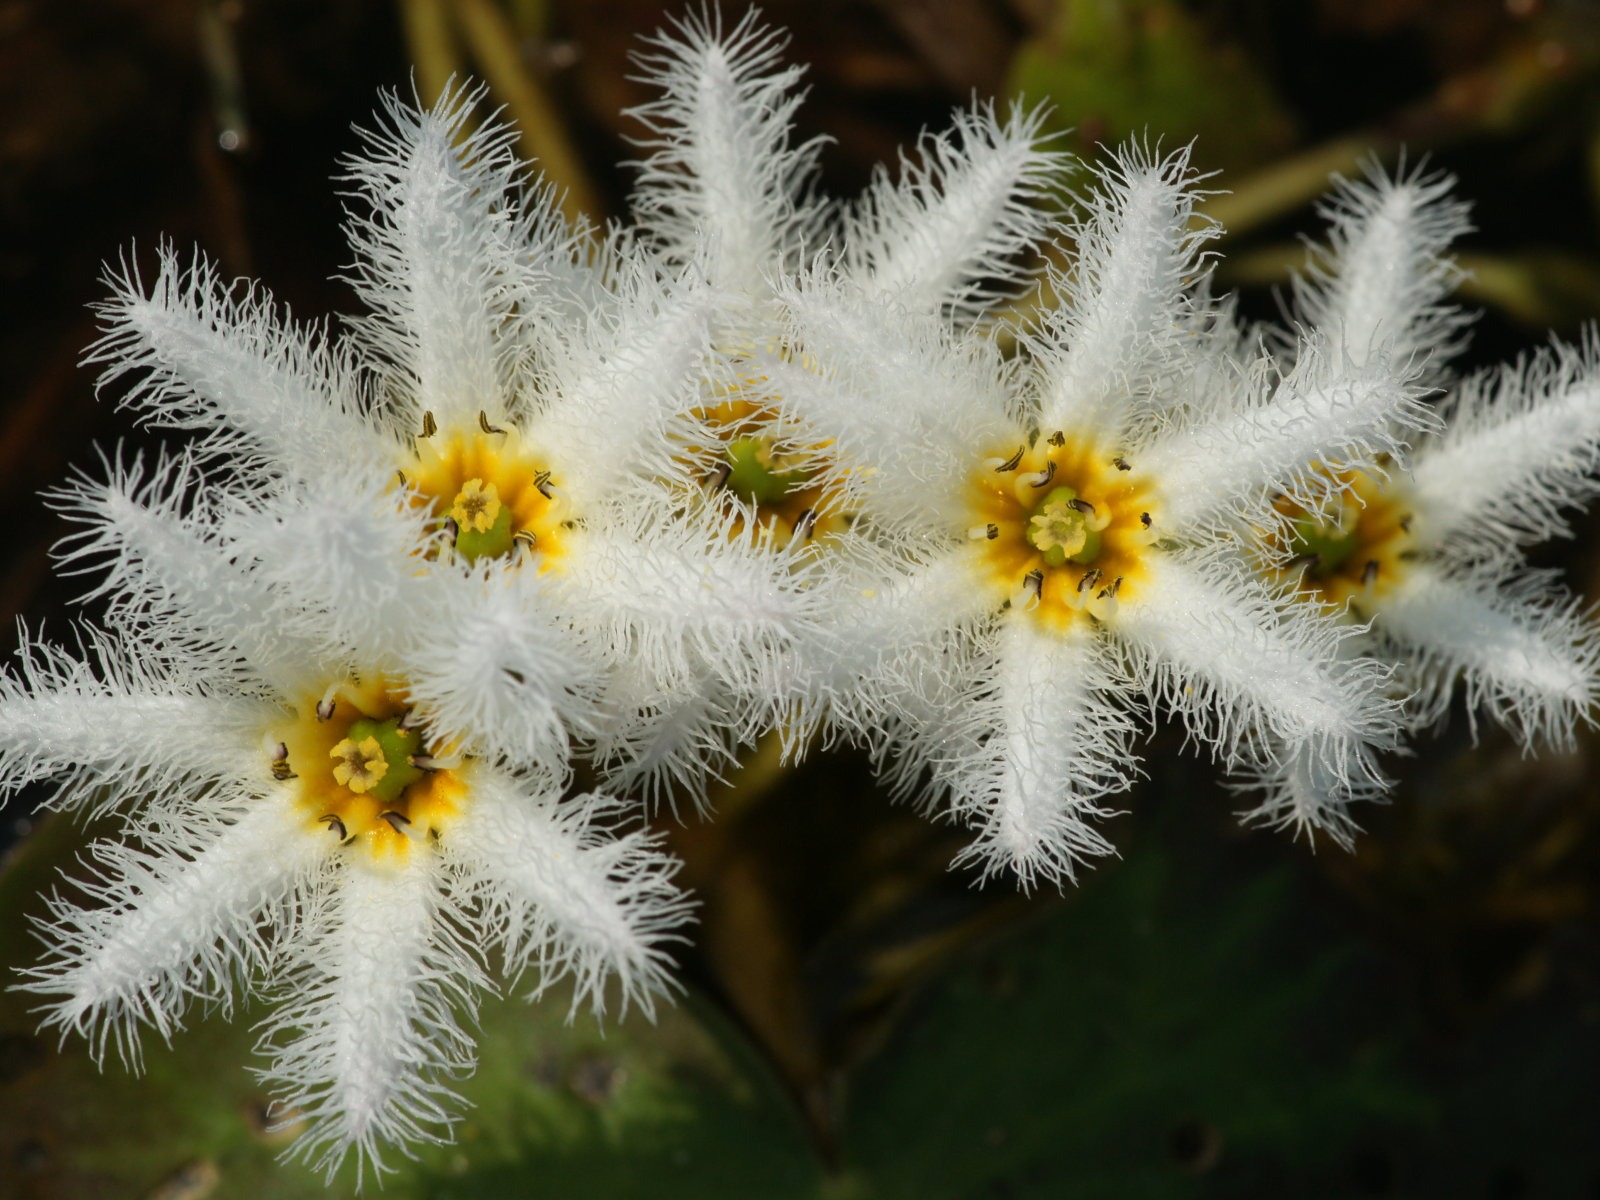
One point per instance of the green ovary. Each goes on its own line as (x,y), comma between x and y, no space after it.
(752,476)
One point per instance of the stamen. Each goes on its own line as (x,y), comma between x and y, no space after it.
(325,708)
(805,523)
(980,533)
(1144,519)
(1121,463)
(282,772)
(332,821)
(541,481)
(403,481)
(1057,439)
(483,423)
(1010,464)
(1369,573)
(1046,475)
(1033,582)
(1110,593)
(429,425)
(527,537)
(1090,578)
(452,531)
(408,721)
(1082,506)
(718,477)
(424,762)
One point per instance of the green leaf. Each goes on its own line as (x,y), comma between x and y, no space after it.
(1114,69)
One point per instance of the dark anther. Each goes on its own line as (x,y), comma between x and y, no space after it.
(1081,506)
(483,423)
(451,530)
(1301,562)
(720,475)
(281,752)
(805,523)
(1369,573)
(1057,439)
(1121,463)
(1405,522)
(282,771)
(527,537)
(991,531)
(1033,581)
(1090,578)
(429,425)
(1010,464)
(541,481)
(403,480)
(332,821)
(325,709)
(423,763)
(397,820)
(1110,593)
(408,721)
(1049,473)
(1144,519)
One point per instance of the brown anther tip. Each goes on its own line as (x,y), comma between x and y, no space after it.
(423,762)
(452,531)
(1090,578)
(1010,464)
(1034,581)
(541,482)
(1369,573)
(397,820)
(1144,519)
(1048,474)
(280,752)
(1121,463)
(1116,586)
(404,482)
(805,523)
(332,821)
(527,537)
(991,531)
(483,423)
(1057,439)
(429,425)
(325,709)
(282,772)
(408,721)
(1082,506)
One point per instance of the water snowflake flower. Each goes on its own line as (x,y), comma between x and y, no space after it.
(1432,561)
(1067,527)
(298,824)
(514,409)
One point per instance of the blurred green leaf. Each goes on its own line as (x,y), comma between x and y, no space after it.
(1176,1028)
(1115,69)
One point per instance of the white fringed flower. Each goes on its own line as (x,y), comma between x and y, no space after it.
(300,823)
(517,400)
(1068,527)
(1434,560)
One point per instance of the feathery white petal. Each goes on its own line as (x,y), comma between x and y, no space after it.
(175,922)
(370,1029)
(974,197)
(1521,445)
(1524,651)
(567,894)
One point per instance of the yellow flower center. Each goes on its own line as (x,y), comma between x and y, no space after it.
(1061,526)
(1353,554)
(352,764)
(492,496)
(772,479)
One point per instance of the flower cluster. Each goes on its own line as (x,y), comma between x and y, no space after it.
(626,500)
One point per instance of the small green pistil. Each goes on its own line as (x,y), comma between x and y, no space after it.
(1330,544)
(1061,532)
(397,745)
(751,476)
(497,539)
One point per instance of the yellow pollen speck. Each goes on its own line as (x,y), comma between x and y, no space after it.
(359,767)
(476,506)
